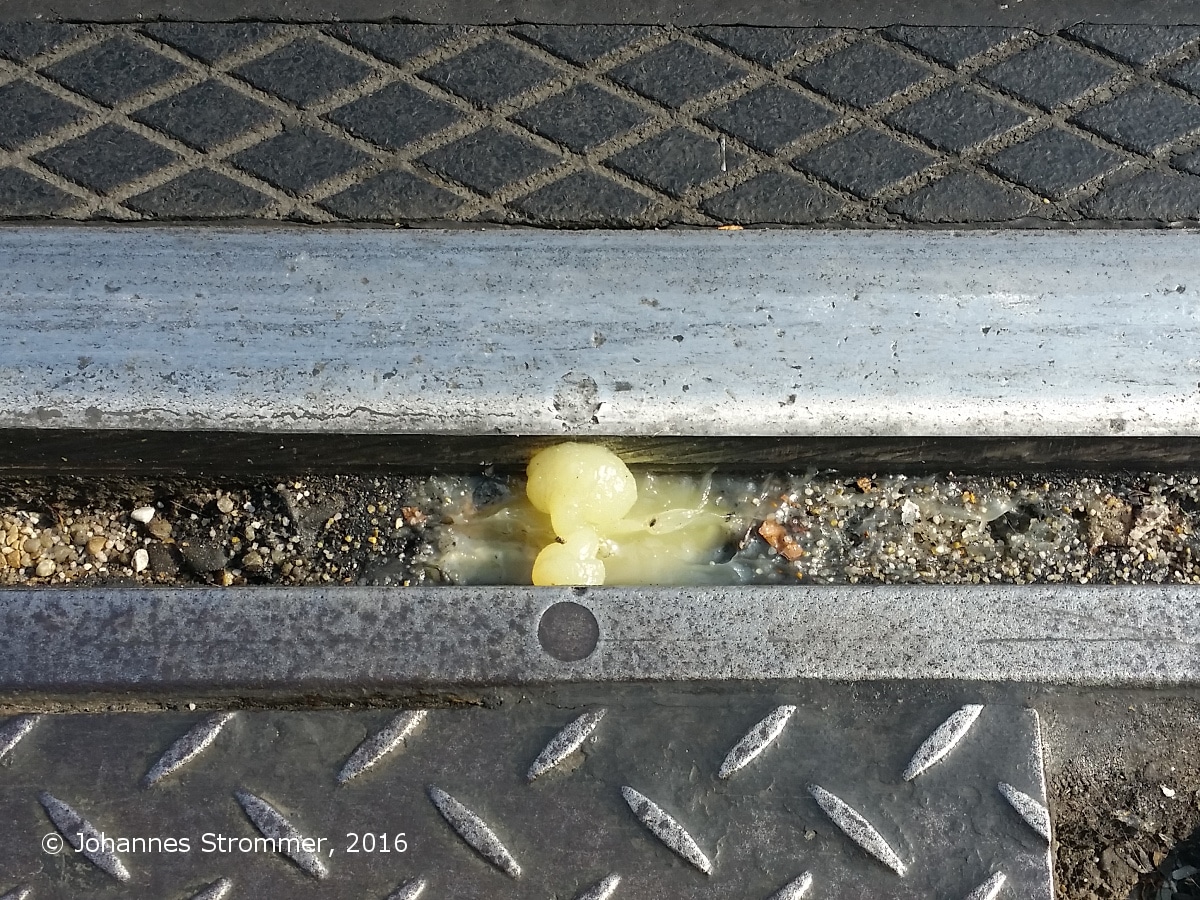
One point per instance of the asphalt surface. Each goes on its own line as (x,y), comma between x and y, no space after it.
(613,126)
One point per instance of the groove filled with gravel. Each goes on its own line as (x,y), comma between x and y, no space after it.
(814,527)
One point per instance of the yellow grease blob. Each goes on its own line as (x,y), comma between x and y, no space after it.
(574,561)
(606,536)
(579,485)
(585,519)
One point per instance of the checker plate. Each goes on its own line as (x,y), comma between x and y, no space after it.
(569,830)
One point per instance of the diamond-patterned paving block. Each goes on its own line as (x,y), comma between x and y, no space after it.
(1148,196)
(106,158)
(395,116)
(23,195)
(862,74)
(490,73)
(396,43)
(957,118)
(582,117)
(113,71)
(1054,162)
(768,46)
(22,40)
(27,111)
(676,161)
(1049,74)
(676,73)
(200,194)
(1137,44)
(208,41)
(304,72)
(585,198)
(584,43)
(205,116)
(774,198)
(298,159)
(393,196)
(864,162)
(952,45)
(489,159)
(1186,75)
(1144,119)
(770,117)
(962,197)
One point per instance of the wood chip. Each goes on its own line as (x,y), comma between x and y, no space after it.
(780,540)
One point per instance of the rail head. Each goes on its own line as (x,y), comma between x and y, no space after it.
(601,334)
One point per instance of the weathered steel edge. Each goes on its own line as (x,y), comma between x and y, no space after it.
(359,641)
(225,457)
(862,14)
(594,334)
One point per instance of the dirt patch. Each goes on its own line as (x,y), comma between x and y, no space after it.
(1124,783)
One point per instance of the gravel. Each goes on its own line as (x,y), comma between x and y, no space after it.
(328,530)
(814,527)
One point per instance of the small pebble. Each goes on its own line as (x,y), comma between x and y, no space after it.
(142,514)
(205,556)
(160,528)
(95,546)
(225,505)
(45,568)
(141,560)
(163,559)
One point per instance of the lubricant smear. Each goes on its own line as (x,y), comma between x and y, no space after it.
(714,527)
(584,518)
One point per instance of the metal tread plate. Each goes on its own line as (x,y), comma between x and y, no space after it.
(591,125)
(687,791)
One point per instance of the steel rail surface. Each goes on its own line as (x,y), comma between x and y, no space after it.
(851,334)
